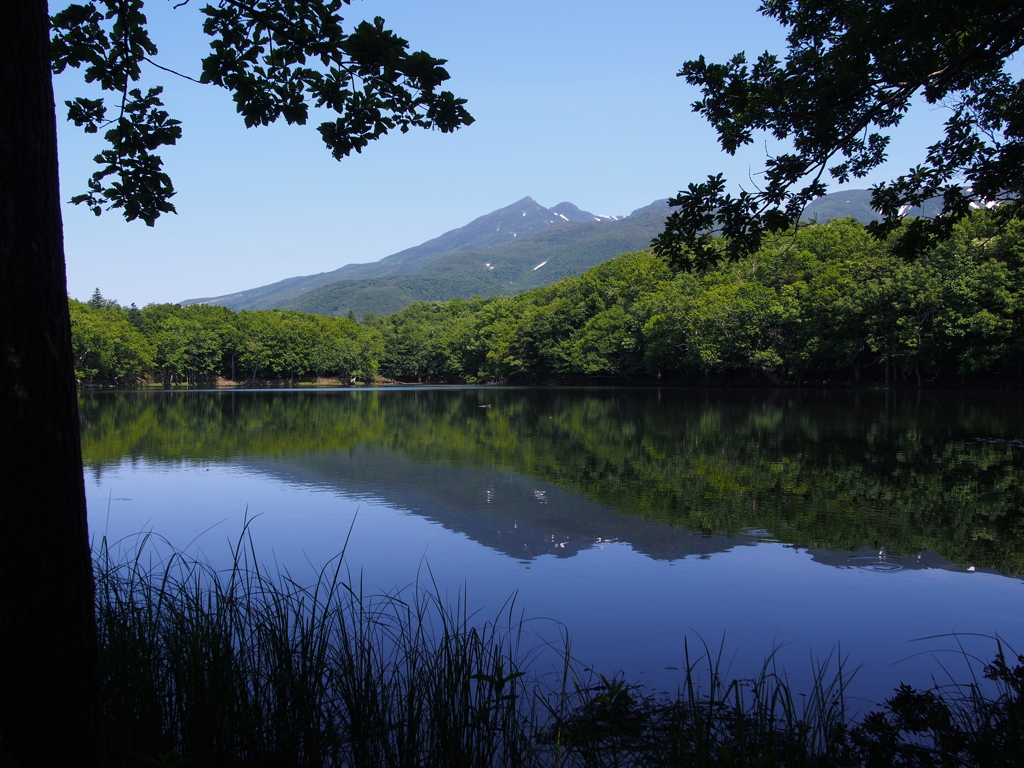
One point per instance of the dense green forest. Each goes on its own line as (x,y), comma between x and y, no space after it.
(198,343)
(825,304)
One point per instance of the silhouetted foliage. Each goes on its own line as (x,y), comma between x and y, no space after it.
(849,76)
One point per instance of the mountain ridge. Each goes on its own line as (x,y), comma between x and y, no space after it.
(537,260)
(505,225)
(415,273)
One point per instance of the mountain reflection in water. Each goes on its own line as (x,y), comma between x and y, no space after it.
(520,517)
(523,518)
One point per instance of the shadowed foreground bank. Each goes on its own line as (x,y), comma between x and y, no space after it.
(241,667)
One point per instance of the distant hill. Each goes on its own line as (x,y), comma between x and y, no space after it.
(857,203)
(540,259)
(507,251)
(504,225)
(505,241)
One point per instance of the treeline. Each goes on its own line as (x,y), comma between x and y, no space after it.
(827,303)
(199,343)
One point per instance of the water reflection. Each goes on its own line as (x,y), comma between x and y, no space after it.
(550,472)
(823,522)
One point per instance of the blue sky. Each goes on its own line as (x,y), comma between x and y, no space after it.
(574,101)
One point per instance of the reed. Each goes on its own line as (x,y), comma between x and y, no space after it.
(710,721)
(232,667)
(241,667)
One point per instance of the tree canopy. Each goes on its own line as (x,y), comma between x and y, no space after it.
(850,74)
(279,59)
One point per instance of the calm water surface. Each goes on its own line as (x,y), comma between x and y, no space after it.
(866,525)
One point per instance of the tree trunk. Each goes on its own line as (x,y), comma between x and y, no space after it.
(49,680)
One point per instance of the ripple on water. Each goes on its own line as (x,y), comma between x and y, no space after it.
(878,563)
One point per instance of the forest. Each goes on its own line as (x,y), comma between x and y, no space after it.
(825,304)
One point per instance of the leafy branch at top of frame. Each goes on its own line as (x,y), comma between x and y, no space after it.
(279,58)
(850,75)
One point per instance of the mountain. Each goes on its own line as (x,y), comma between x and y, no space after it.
(512,249)
(504,225)
(533,261)
(857,203)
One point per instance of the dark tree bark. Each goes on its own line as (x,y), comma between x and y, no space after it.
(49,681)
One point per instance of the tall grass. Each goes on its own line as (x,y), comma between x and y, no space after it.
(236,666)
(207,667)
(711,720)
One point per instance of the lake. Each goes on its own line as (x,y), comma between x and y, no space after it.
(882,527)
